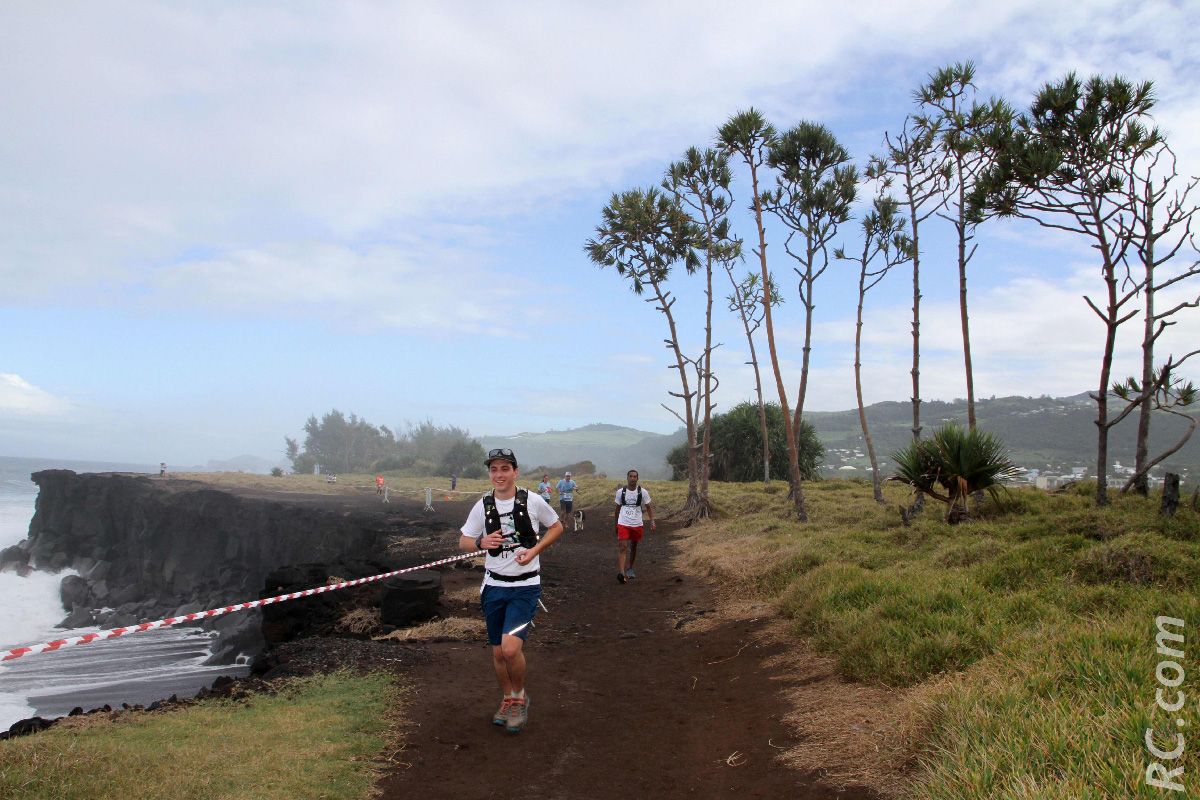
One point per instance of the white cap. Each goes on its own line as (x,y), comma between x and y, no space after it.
(568,475)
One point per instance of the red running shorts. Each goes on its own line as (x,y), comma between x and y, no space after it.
(632,534)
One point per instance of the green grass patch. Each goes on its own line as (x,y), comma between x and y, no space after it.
(1025,639)
(316,739)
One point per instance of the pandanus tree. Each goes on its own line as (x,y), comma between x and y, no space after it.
(958,126)
(1067,164)
(699,182)
(750,136)
(952,465)
(643,235)
(815,185)
(885,245)
(914,163)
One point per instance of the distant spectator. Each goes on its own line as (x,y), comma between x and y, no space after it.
(162,469)
(379,484)
(453,482)
(566,497)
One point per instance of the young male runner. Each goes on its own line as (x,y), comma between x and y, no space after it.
(566,497)
(505,522)
(630,499)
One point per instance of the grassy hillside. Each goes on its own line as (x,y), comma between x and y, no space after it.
(1019,650)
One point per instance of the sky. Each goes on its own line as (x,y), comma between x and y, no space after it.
(217,219)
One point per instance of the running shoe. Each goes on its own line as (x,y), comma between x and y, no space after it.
(502,715)
(621,577)
(629,574)
(518,713)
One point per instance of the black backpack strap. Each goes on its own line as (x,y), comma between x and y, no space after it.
(521,519)
(491,518)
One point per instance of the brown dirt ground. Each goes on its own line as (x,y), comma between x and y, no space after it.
(646,689)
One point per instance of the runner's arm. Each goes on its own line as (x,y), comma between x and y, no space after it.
(488,542)
(552,533)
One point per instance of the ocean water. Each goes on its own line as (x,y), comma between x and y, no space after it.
(134,669)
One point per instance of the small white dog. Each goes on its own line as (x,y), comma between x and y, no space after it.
(579,516)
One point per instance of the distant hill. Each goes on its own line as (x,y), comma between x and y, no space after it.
(242,463)
(1046,433)
(1050,434)
(612,448)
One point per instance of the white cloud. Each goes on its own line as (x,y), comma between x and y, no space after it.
(19,398)
(138,131)
(396,286)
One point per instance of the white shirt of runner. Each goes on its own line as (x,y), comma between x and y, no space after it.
(541,515)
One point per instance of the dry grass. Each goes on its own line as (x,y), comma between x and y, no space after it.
(359,621)
(450,628)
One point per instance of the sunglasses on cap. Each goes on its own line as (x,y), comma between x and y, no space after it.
(501,453)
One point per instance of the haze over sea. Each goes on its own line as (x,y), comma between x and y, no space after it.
(136,669)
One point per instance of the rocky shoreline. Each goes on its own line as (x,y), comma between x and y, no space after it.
(146,549)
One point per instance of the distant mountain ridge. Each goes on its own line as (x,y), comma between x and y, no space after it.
(1052,434)
(614,449)
(1046,433)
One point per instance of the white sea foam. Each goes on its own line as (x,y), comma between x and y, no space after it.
(134,669)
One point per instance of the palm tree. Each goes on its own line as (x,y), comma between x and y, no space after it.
(953,464)
(815,186)
(884,238)
(959,131)
(748,134)
(644,233)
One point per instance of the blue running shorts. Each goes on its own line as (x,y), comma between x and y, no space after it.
(507,608)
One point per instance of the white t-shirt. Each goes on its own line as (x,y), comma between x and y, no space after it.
(541,515)
(631,512)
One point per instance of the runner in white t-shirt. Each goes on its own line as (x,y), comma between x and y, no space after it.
(630,499)
(512,583)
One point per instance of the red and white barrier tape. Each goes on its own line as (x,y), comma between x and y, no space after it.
(47,647)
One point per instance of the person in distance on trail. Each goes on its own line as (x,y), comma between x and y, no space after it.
(630,499)
(544,488)
(505,522)
(162,469)
(378,484)
(566,489)
(454,481)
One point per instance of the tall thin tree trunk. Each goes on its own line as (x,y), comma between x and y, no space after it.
(762,411)
(962,299)
(705,452)
(916,330)
(919,500)
(1102,425)
(862,411)
(793,458)
(693,497)
(1141,484)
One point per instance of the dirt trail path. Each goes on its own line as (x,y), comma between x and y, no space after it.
(623,704)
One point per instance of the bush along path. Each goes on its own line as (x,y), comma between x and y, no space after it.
(635,691)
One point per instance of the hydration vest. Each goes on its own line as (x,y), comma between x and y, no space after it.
(639,496)
(520,514)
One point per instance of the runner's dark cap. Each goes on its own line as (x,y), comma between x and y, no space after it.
(503,454)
